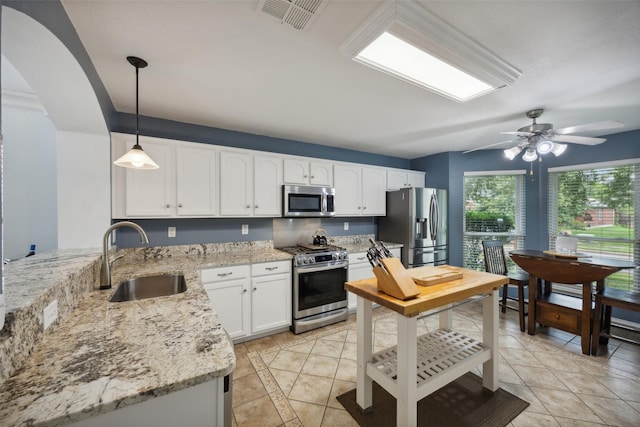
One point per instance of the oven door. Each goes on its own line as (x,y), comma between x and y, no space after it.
(319,289)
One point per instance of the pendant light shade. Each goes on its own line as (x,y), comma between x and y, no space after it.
(136,158)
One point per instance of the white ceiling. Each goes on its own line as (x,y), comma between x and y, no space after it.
(224,64)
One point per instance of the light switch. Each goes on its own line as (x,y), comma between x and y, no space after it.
(171,232)
(245,228)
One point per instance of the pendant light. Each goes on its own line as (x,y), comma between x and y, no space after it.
(136,158)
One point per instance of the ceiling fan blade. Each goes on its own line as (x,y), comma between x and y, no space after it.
(611,124)
(518,133)
(486,146)
(578,139)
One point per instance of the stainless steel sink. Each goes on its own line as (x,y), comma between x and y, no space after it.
(149,287)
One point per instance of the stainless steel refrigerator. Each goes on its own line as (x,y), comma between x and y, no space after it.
(417,218)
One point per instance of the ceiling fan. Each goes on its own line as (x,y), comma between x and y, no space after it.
(542,138)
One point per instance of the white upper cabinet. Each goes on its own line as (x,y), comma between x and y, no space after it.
(236,184)
(360,191)
(196,182)
(183,185)
(250,185)
(307,172)
(151,193)
(267,186)
(397,179)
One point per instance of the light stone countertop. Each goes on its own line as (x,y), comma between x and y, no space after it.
(105,356)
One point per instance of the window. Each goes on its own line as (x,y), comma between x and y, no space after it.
(598,204)
(494,208)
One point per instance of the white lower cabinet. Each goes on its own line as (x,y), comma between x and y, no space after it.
(250,299)
(359,268)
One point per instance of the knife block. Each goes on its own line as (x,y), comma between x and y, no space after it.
(396,281)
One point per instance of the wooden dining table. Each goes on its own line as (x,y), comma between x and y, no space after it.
(560,311)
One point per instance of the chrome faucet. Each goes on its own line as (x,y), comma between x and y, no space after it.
(105,282)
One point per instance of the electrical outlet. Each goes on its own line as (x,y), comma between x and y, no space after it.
(245,228)
(346,225)
(50,314)
(171,232)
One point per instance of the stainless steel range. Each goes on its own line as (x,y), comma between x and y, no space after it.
(319,297)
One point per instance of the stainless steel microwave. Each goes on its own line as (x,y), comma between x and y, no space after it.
(307,201)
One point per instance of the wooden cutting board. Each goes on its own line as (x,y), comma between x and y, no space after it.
(428,276)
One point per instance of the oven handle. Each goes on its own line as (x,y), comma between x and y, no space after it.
(313,269)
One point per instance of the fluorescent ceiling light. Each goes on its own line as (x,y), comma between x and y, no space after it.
(401,59)
(405,40)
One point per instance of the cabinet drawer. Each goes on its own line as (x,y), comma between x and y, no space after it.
(225,273)
(275,267)
(358,258)
(560,317)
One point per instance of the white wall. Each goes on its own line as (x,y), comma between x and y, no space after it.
(30,206)
(84,189)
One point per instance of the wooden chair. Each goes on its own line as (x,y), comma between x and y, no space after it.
(496,263)
(606,299)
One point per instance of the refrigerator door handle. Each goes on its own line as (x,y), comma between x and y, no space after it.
(433,217)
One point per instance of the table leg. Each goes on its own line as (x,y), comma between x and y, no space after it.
(407,409)
(585,330)
(490,340)
(444,318)
(364,350)
(533,285)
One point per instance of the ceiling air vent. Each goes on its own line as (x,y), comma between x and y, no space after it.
(299,14)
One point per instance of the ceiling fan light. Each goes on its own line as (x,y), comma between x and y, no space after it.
(530,155)
(136,158)
(511,153)
(544,147)
(558,149)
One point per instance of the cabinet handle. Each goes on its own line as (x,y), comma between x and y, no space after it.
(361,258)
(248,206)
(305,176)
(358,207)
(244,291)
(255,207)
(312,176)
(364,207)
(255,289)
(179,205)
(224,274)
(271,268)
(167,206)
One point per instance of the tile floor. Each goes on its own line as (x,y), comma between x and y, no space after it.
(292,380)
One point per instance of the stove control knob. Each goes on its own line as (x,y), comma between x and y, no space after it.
(334,256)
(305,260)
(312,260)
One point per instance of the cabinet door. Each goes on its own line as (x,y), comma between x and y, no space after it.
(358,271)
(348,185)
(236,184)
(267,186)
(321,173)
(374,189)
(396,180)
(415,179)
(270,302)
(230,300)
(296,171)
(151,192)
(196,181)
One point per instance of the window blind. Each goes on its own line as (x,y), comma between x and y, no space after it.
(494,208)
(599,205)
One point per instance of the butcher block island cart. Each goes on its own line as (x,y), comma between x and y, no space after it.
(420,365)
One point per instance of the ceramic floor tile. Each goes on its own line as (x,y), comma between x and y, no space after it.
(518,357)
(243,367)
(311,389)
(338,336)
(613,412)
(338,418)
(289,361)
(532,419)
(583,384)
(309,414)
(328,348)
(557,362)
(385,340)
(567,405)
(321,366)
(624,388)
(347,370)
(350,351)
(285,379)
(261,344)
(569,422)
(246,389)
(294,423)
(339,387)
(246,414)
(508,375)
(525,393)
(305,347)
(539,377)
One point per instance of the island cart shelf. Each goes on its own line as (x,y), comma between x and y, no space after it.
(431,360)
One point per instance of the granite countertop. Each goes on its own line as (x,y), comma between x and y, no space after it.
(105,356)
(363,246)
